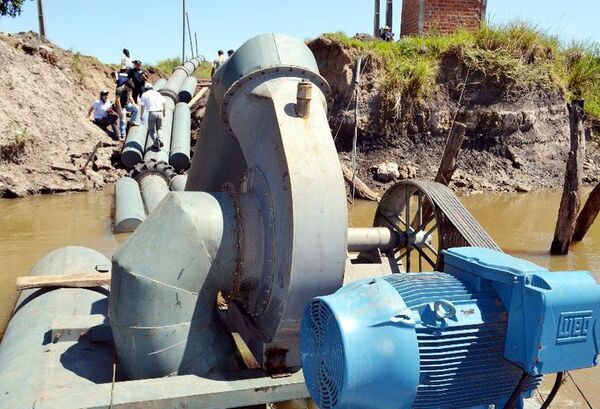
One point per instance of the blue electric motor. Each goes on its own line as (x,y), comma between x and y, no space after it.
(458,339)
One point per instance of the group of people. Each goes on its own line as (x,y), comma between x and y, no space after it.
(131,87)
(220,60)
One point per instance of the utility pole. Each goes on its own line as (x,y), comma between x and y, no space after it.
(187,17)
(183,37)
(377,22)
(389,14)
(196,37)
(40,5)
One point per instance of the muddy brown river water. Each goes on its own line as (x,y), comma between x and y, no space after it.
(522,224)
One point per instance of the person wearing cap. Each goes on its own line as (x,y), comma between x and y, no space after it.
(124,103)
(230,53)
(386,34)
(139,77)
(218,62)
(103,113)
(154,103)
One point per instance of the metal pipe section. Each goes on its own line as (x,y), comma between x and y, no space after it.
(371,238)
(180,142)
(163,297)
(133,148)
(175,83)
(159,84)
(162,154)
(188,89)
(154,189)
(24,355)
(178,182)
(129,208)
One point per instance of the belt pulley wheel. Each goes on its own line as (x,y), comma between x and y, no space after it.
(427,218)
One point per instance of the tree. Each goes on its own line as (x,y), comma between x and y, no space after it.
(11,8)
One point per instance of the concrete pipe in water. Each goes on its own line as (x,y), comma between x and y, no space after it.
(133,149)
(180,142)
(26,343)
(129,208)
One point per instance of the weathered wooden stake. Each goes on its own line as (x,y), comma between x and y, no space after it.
(362,190)
(588,214)
(571,197)
(448,162)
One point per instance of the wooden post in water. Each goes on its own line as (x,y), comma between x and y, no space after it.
(571,197)
(448,163)
(588,214)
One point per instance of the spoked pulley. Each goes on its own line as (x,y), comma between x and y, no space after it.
(427,218)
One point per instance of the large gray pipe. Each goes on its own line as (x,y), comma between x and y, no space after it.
(180,74)
(180,141)
(162,303)
(188,89)
(178,182)
(162,154)
(154,189)
(23,352)
(133,149)
(129,208)
(159,84)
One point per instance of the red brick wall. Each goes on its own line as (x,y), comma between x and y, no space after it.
(410,17)
(442,16)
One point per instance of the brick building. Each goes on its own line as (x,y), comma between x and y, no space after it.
(441,16)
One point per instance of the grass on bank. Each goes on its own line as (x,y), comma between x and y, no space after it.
(517,53)
(168,65)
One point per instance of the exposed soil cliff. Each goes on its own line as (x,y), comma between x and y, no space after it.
(517,135)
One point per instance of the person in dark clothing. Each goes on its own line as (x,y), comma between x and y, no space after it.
(386,34)
(138,77)
(123,104)
(230,53)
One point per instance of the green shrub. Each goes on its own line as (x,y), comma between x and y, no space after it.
(517,53)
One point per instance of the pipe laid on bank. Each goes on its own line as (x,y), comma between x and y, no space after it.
(133,148)
(180,141)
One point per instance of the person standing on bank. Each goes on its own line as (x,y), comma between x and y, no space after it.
(155,104)
(139,77)
(124,103)
(126,59)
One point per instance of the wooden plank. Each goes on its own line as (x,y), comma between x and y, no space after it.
(197,97)
(83,280)
(362,190)
(588,215)
(571,197)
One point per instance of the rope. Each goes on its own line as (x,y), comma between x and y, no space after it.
(337,132)
(580,391)
(114,375)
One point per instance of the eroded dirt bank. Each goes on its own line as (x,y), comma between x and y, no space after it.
(516,138)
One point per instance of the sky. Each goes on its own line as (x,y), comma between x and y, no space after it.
(152,29)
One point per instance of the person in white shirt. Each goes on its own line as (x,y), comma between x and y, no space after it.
(154,103)
(218,62)
(103,113)
(126,59)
